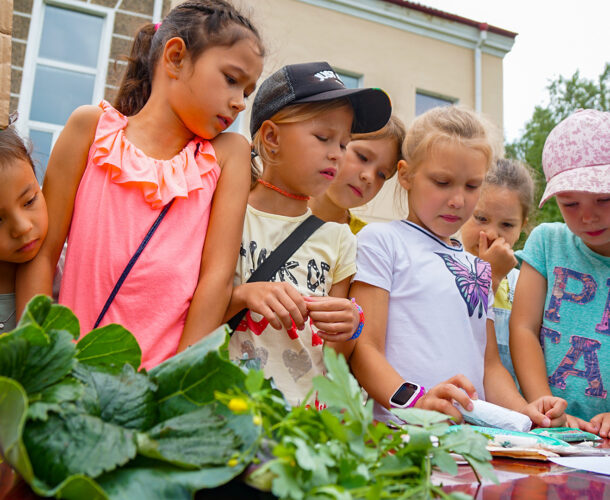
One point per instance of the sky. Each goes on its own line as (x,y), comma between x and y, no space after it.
(556,37)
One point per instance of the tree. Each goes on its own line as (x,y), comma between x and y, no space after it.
(566,95)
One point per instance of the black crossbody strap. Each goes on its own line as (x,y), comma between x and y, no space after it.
(132,262)
(279,256)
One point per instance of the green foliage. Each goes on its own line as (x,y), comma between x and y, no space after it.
(78,421)
(566,95)
(341,453)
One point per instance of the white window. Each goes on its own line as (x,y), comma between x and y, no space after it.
(65,67)
(424,102)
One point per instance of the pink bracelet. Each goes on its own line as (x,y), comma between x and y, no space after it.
(361,323)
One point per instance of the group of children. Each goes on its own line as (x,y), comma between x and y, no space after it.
(167,218)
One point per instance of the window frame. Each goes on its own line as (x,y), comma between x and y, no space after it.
(435,95)
(352,74)
(32,60)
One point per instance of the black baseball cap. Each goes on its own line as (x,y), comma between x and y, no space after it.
(317,82)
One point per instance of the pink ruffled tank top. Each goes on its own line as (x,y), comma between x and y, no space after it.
(120,195)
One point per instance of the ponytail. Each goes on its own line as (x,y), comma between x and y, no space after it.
(137,81)
(201,24)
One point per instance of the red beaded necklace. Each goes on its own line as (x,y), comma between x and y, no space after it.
(299,197)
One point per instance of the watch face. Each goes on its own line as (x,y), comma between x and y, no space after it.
(402,396)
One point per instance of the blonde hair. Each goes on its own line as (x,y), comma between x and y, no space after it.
(442,125)
(290,114)
(394,130)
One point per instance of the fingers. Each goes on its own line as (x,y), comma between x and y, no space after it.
(463,382)
(557,407)
(483,245)
(432,401)
(602,423)
(333,315)
(537,418)
(279,303)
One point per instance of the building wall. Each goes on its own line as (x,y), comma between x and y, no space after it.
(399,61)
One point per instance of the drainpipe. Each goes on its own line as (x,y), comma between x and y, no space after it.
(478,77)
(157,11)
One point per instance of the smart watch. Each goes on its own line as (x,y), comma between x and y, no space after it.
(407,395)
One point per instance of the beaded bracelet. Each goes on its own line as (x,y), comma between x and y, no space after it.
(361,323)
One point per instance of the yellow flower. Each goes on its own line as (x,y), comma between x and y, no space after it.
(238,405)
(232,462)
(257,420)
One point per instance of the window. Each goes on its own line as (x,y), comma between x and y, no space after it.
(424,102)
(350,80)
(65,67)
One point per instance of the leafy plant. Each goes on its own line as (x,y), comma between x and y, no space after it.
(78,421)
(341,453)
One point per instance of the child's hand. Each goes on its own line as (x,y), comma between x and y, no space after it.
(336,318)
(602,423)
(279,303)
(593,426)
(441,397)
(547,411)
(499,254)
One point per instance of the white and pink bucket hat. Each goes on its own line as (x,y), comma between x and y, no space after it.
(576,155)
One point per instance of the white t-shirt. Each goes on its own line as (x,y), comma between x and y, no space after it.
(438,302)
(327,257)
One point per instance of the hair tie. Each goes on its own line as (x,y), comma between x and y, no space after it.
(157,26)
(360,323)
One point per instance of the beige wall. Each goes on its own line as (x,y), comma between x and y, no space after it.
(396,60)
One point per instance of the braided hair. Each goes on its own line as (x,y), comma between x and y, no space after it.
(201,24)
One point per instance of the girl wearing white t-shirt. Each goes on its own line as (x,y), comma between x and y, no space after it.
(426,300)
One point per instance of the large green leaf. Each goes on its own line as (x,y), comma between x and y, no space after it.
(76,443)
(34,359)
(197,439)
(126,399)
(189,379)
(41,311)
(13,409)
(68,390)
(109,347)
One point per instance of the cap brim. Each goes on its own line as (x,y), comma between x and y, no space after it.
(372,107)
(591,179)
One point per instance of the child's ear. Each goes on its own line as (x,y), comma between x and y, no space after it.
(174,54)
(404,174)
(270,135)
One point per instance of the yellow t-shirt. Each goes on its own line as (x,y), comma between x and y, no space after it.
(355,223)
(502,300)
(327,257)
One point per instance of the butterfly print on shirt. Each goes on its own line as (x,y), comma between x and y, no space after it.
(473,283)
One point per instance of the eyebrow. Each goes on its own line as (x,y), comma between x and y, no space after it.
(28,188)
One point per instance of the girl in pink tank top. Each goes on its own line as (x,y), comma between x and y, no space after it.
(114,169)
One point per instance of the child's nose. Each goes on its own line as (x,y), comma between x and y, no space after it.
(457,200)
(21,225)
(588,215)
(366,175)
(238,102)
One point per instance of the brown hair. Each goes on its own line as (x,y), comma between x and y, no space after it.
(290,114)
(445,124)
(394,130)
(200,23)
(514,175)
(12,148)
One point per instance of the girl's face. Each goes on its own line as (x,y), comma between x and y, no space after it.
(365,168)
(23,213)
(444,189)
(498,213)
(208,94)
(310,152)
(587,215)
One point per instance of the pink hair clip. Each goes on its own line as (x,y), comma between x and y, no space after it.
(157,26)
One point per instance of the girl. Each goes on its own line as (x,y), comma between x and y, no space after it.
(113,171)
(425,298)
(301,123)
(23,218)
(560,320)
(495,226)
(370,160)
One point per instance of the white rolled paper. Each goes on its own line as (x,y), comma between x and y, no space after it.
(490,415)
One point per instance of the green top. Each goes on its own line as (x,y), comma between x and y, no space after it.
(7,312)
(355,223)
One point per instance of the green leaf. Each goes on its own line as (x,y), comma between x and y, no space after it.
(68,390)
(189,379)
(75,443)
(196,439)
(126,399)
(109,347)
(42,312)
(444,461)
(44,364)
(415,416)
(75,487)
(13,409)
(254,380)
